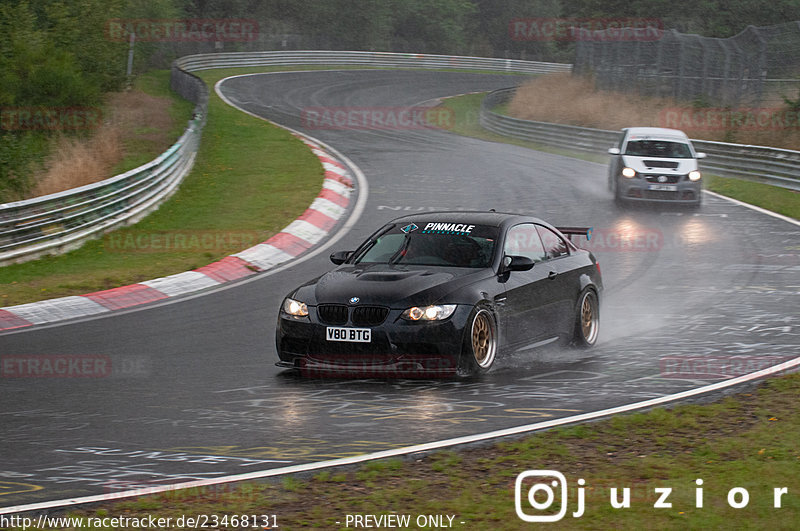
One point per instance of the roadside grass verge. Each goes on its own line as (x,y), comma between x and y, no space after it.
(250,178)
(780,200)
(135,126)
(575,100)
(466,110)
(141,147)
(748,441)
(783,201)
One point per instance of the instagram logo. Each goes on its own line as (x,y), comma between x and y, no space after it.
(541,495)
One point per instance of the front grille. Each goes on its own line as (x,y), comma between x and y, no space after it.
(332,314)
(660,164)
(660,194)
(670,179)
(369,315)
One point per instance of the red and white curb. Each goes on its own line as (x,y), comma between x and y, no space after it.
(295,239)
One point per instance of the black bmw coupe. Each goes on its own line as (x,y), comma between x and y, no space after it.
(442,293)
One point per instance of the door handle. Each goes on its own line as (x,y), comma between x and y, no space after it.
(552,275)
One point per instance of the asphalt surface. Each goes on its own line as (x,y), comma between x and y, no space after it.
(193,391)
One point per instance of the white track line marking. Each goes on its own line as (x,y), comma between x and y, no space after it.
(753,207)
(51,310)
(181,283)
(427,447)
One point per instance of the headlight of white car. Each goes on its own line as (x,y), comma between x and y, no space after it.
(694,175)
(630,173)
(435,312)
(295,308)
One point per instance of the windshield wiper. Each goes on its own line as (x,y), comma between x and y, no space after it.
(399,253)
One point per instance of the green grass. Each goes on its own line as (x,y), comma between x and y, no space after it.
(139,150)
(780,200)
(250,179)
(466,111)
(748,440)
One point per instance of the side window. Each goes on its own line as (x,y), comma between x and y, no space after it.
(554,245)
(523,240)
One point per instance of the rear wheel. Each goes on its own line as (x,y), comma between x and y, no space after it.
(480,343)
(587,319)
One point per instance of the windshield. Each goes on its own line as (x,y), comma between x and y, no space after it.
(453,244)
(658,148)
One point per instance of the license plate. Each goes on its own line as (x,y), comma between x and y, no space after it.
(352,335)
(663,187)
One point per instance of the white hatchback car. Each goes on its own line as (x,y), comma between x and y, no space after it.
(655,164)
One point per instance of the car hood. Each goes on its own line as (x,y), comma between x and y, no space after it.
(659,165)
(387,285)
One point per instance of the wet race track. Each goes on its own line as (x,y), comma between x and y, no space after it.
(690,297)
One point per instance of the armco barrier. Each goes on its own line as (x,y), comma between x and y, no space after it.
(778,167)
(59,222)
(63,221)
(369,59)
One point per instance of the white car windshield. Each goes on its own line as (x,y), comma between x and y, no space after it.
(471,246)
(663,149)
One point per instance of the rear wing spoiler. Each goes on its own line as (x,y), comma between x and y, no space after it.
(586,232)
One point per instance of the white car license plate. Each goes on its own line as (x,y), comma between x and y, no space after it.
(352,335)
(663,187)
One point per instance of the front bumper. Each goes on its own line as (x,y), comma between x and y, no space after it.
(639,188)
(397,347)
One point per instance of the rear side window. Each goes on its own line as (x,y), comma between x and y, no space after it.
(524,240)
(554,245)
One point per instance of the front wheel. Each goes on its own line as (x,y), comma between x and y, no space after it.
(618,200)
(587,319)
(480,343)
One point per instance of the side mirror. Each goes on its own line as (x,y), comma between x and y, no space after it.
(613,151)
(517,263)
(701,155)
(340,257)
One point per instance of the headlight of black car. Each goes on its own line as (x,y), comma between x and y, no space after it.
(295,308)
(435,312)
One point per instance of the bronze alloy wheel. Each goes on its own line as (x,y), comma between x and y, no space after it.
(589,318)
(484,340)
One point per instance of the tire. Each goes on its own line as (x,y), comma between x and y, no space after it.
(480,343)
(699,202)
(618,200)
(587,319)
